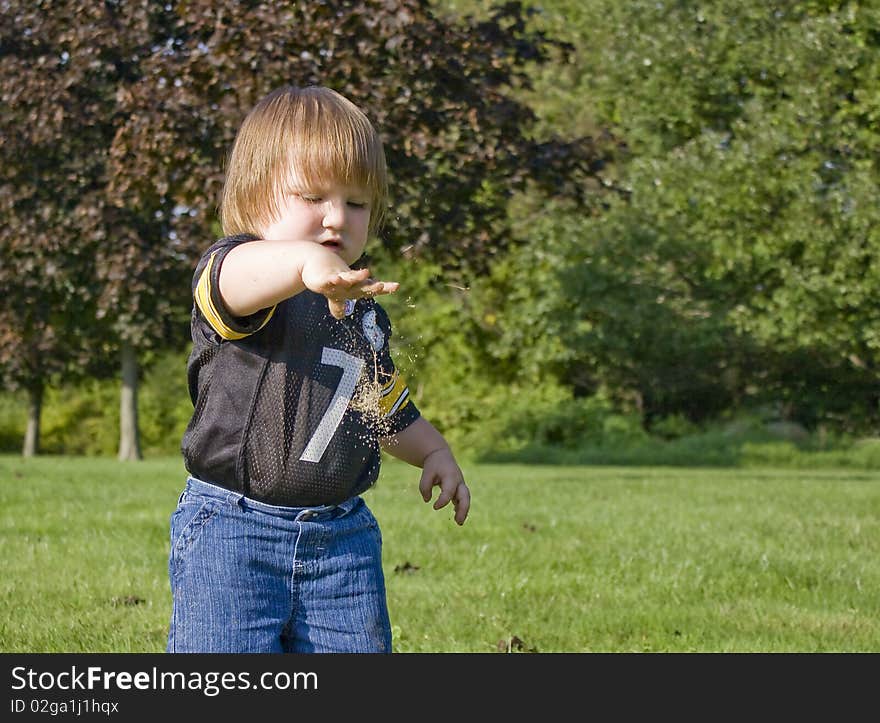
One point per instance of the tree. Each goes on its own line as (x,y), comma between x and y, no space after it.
(751,168)
(51,182)
(458,145)
(153,94)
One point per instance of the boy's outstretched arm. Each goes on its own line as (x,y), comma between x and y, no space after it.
(258,274)
(421,445)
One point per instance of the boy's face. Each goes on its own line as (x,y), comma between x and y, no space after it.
(336,216)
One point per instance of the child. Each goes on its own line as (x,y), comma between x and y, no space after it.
(294,390)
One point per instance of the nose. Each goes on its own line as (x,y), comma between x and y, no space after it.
(334,214)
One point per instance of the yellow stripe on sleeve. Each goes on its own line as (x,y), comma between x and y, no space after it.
(395,396)
(206,306)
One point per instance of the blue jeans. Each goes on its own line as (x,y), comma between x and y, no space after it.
(248,577)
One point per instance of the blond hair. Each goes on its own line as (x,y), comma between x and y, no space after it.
(313,134)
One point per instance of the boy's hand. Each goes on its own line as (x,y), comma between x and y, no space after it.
(421,445)
(338,286)
(353,285)
(440,469)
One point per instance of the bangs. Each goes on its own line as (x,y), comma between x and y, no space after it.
(326,150)
(295,137)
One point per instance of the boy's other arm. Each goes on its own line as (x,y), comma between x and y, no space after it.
(421,445)
(258,274)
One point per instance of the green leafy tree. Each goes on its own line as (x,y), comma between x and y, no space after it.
(747,246)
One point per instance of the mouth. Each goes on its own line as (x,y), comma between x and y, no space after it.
(332,244)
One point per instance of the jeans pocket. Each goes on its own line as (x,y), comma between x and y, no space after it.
(187,524)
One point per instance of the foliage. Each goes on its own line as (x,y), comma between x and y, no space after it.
(83,418)
(540,424)
(13,420)
(607,320)
(50,175)
(740,267)
(118,117)
(65,67)
(732,269)
(436,347)
(165,404)
(863,454)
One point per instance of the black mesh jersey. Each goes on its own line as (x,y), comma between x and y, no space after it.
(289,403)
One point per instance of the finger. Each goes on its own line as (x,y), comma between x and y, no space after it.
(353,276)
(462,503)
(343,281)
(450,489)
(445,497)
(337,308)
(426,483)
(375,288)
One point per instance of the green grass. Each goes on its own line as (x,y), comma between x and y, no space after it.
(552,559)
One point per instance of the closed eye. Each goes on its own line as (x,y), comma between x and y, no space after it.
(314,198)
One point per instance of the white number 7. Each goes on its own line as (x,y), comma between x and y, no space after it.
(352,367)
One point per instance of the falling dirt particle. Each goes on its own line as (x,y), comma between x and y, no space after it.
(529,527)
(406,567)
(127,601)
(514,644)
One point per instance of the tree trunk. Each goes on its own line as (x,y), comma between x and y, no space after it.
(32,434)
(129,433)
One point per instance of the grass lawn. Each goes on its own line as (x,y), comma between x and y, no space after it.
(552,559)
